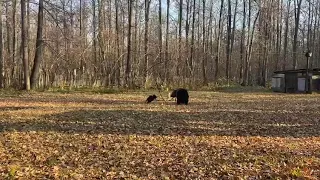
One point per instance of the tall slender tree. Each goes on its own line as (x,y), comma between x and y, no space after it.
(128,68)
(146,41)
(297,12)
(39,47)
(1,50)
(24,46)
(217,59)
(167,45)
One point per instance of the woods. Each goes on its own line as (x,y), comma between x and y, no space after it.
(147,43)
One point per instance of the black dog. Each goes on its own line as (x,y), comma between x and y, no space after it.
(181,95)
(151,98)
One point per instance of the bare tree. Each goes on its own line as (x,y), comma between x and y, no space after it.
(146,40)
(160,31)
(204,59)
(167,45)
(297,11)
(128,69)
(217,59)
(190,64)
(286,31)
(180,35)
(242,42)
(39,47)
(1,51)
(24,46)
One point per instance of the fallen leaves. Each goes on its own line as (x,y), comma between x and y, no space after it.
(217,136)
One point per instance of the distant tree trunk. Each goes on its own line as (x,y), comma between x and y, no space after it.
(242,43)
(210,39)
(187,28)
(249,52)
(1,51)
(119,59)
(192,38)
(128,69)
(204,59)
(180,34)
(286,31)
(14,64)
(233,34)
(228,48)
(101,38)
(39,48)
(24,46)
(249,44)
(8,39)
(309,31)
(296,30)
(279,34)
(146,40)
(160,32)
(94,25)
(217,59)
(167,45)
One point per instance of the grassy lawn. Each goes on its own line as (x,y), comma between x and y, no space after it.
(118,136)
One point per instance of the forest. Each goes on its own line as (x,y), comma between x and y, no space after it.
(145,44)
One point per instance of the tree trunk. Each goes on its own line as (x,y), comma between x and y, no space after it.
(204,58)
(24,46)
(94,25)
(217,59)
(187,40)
(39,48)
(286,31)
(128,69)
(160,32)
(180,34)
(233,35)
(14,63)
(228,48)
(242,44)
(192,38)
(146,40)
(1,51)
(167,46)
(119,58)
(296,30)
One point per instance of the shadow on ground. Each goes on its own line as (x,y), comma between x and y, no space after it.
(126,122)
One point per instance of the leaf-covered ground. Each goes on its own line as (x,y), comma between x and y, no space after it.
(118,136)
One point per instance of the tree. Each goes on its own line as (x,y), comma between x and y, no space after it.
(39,47)
(228,47)
(204,59)
(1,51)
(242,41)
(297,11)
(190,64)
(146,40)
(24,46)
(167,45)
(180,35)
(128,68)
(160,31)
(286,31)
(217,59)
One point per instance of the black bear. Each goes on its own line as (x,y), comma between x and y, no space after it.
(181,95)
(151,98)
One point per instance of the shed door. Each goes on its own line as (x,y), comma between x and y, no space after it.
(301,84)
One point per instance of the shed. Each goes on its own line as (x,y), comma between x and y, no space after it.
(293,81)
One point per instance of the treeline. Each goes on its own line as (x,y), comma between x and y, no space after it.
(147,43)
